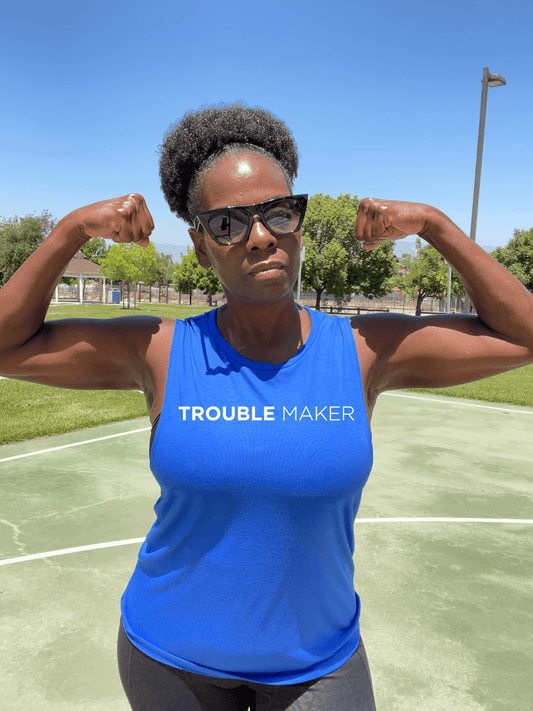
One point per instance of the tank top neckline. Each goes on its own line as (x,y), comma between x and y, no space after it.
(252,364)
(261,365)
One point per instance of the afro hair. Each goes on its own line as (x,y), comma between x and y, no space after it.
(193,143)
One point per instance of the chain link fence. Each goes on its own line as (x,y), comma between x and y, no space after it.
(394,302)
(170,294)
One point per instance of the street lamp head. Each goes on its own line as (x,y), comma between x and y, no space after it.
(496,80)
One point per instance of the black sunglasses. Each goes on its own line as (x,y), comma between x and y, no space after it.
(233,224)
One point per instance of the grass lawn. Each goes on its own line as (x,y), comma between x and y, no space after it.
(30,411)
(513,388)
(57,311)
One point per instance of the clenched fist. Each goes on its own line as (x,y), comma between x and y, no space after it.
(380,220)
(122,219)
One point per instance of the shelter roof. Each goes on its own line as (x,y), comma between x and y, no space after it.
(81,266)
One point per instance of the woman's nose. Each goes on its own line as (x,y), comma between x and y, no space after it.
(260,237)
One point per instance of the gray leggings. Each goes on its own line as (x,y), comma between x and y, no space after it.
(151,685)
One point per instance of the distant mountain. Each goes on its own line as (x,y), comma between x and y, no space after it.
(175,250)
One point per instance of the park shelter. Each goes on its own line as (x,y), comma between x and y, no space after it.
(82,268)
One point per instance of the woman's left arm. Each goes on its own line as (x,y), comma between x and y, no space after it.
(445,350)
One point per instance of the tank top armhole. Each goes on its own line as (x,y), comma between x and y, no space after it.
(180,335)
(357,373)
(175,349)
(152,434)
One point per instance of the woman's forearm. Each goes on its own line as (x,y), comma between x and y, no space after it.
(25,298)
(501,301)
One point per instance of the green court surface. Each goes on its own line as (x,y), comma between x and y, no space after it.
(443,559)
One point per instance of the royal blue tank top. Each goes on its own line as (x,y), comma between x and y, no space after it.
(247,572)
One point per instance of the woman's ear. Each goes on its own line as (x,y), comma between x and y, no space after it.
(198,239)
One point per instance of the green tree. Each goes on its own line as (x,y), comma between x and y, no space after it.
(130,263)
(325,233)
(372,272)
(324,270)
(186,273)
(208,283)
(335,262)
(189,275)
(426,276)
(95,249)
(165,268)
(407,261)
(517,256)
(19,237)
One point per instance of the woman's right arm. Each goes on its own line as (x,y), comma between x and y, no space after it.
(74,353)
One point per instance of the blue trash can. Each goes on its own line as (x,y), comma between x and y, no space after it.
(115,296)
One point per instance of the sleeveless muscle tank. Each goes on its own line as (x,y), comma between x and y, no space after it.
(247,572)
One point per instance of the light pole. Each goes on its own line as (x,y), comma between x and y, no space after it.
(488,80)
(302,257)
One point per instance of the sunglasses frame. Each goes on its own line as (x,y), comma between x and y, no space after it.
(251,211)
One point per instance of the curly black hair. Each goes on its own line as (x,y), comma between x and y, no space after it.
(200,138)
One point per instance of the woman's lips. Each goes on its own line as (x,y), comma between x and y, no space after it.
(267,268)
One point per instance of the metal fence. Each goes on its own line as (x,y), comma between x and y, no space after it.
(163,294)
(394,302)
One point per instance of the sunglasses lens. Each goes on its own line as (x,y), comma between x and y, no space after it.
(283,217)
(229,226)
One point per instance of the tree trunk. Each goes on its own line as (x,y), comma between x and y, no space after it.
(190,297)
(318,295)
(419,301)
(210,299)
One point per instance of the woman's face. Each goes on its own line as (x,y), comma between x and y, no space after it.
(264,268)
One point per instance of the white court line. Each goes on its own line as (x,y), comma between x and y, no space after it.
(465,404)
(444,520)
(74,444)
(129,541)
(65,551)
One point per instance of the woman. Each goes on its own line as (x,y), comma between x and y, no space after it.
(243,591)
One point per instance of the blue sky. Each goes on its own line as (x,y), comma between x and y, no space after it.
(383,98)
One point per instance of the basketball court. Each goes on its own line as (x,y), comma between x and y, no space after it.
(443,559)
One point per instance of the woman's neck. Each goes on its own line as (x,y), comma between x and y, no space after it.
(271,332)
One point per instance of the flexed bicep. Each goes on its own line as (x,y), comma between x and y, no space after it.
(436,351)
(85,354)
